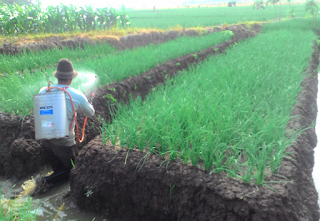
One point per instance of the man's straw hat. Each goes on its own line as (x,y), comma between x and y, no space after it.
(65,70)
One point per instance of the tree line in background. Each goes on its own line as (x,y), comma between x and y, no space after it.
(20,2)
(30,18)
(311,7)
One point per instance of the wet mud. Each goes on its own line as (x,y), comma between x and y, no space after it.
(134,185)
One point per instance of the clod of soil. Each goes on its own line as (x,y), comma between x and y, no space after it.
(135,185)
(14,127)
(129,41)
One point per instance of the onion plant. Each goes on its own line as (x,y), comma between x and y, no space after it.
(29,61)
(18,89)
(229,112)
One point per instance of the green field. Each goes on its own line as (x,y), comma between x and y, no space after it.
(196,17)
(229,113)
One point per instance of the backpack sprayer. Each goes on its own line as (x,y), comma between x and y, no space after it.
(50,114)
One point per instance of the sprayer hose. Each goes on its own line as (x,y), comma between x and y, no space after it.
(74,115)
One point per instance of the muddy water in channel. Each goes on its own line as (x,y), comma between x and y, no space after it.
(47,205)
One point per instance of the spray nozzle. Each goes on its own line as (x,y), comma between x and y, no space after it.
(95,85)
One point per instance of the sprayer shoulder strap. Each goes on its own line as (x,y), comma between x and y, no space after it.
(62,88)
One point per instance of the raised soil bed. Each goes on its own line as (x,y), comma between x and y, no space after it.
(21,155)
(134,185)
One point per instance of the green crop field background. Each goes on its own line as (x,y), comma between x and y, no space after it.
(193,17)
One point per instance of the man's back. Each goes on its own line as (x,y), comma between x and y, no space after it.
(79,102)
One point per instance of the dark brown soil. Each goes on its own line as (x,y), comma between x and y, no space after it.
(135,186)
(14,127)
(132,185)
(20,153)
(129,41)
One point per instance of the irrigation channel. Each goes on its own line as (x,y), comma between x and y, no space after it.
(49,205)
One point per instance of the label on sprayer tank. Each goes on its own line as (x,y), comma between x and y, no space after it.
(46,110)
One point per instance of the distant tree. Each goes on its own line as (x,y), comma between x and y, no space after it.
(276,8)
(260,5)
(290,12)
(19,2)
(232,3)
(312,8)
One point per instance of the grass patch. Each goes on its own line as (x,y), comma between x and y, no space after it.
(209,16)
(18,209)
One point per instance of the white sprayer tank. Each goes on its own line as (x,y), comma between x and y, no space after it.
(50,115)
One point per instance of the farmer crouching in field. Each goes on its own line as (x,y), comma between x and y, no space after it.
(62,152)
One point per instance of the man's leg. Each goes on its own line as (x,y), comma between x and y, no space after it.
(60,160)
(55,163)
(60,171)
(66,154)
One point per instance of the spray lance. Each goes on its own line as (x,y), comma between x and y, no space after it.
(94,87)
(51,116)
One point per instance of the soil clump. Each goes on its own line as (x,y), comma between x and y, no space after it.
(135,185)
(129,41)
(12,128)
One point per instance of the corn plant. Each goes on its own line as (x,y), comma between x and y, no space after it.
(16,19)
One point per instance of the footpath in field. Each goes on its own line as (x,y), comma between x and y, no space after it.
(250,134)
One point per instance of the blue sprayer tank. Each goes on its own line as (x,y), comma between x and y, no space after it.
(50,115)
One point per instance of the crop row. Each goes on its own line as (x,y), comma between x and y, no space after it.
(230,112)
(26,19)
(17,89)
(28,61)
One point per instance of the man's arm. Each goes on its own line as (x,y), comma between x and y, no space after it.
(86,108)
